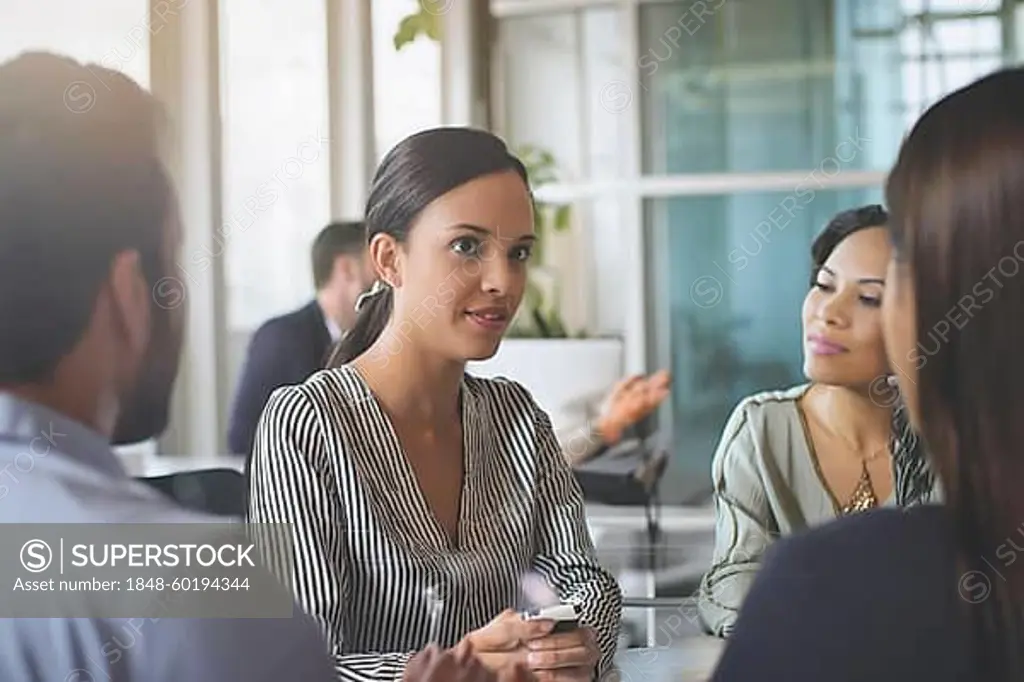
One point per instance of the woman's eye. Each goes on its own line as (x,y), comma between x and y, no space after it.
(466,246)
(823,286)
(871,301)
(521,253)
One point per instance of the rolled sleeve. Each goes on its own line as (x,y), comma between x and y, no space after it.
(564,553)
(744,526)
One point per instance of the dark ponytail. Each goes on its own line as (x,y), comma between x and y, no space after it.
(418,170)
(370,322)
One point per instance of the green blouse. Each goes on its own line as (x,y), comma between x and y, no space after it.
(767,483)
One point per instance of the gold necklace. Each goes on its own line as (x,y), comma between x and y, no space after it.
(863,497)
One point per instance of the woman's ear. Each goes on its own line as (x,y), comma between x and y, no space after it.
(384,254)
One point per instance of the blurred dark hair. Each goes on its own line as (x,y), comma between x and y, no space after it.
(418,170)
(842,226)
(342,238)
(957,221)
(80,181)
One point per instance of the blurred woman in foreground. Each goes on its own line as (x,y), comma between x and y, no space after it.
(929,593)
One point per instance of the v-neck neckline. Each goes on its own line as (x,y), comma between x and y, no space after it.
(406,474)
(812,453)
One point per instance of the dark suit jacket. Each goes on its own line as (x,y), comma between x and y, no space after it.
(284,350)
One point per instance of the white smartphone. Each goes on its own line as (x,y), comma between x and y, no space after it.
(566,616)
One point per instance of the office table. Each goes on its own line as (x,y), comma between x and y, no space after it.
(605,521)
(689,660)
(145,464)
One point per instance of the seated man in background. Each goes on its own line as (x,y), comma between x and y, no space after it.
(287,349)
(630,401)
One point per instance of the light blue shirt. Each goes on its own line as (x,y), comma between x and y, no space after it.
(333,329)
(54,470)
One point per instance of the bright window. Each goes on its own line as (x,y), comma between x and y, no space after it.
(407,82)
(276,160)
(739,95)
(112,33)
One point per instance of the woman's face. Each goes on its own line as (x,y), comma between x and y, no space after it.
(461,273)
(843,343)
(899,326)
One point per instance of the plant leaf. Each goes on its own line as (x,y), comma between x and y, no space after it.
(408,30)
(563,217)
(541,323)
(555,325)
(422,22)
(431,25)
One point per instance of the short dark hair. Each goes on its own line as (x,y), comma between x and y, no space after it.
(842,226)
(80,181)
(341,238)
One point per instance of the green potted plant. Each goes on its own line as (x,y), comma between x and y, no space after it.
(539,315)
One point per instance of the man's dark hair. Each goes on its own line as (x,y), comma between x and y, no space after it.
(842,226)
(343,238)
(80,181)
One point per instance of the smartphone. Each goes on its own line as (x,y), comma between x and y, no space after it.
(566,616)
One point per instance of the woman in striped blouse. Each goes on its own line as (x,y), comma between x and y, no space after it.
(405,477)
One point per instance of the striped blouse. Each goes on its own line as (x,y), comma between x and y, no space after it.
(367,547)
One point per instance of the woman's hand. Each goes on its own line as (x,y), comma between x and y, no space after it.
(564,656)
(517,673)
(459,665)
(500,644)
(455,665)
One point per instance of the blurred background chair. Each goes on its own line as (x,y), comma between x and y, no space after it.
(213,491)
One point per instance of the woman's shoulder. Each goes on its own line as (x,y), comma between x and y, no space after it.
(501,394)
(908,556)
(759,425)
(338,391)
(873,581)
(761,411)
(926,527)
(782,401)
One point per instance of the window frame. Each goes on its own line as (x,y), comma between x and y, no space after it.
(644,344)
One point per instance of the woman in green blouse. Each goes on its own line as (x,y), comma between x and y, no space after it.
(840,444)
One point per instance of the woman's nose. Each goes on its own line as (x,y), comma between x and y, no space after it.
(833,310)
(496,275)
